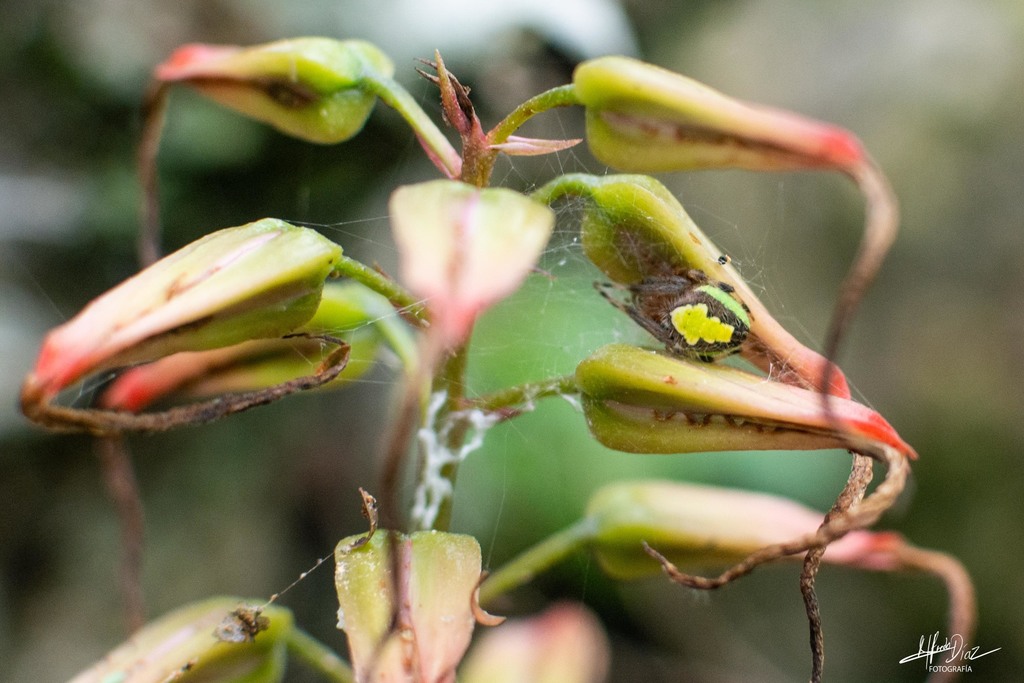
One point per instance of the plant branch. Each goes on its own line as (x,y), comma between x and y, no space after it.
(411,308)
(123,489)
(881,222)
(853,493)
(514,400)
(963,607)
(319,657)
(154,110)
(569,185)
(437,146)
(451,379)
(528,564)
(562,96)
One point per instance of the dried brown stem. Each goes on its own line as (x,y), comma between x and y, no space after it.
(881,223)
(119,479)
(853,493)
(154,109)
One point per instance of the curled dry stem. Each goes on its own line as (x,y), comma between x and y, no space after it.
(39,408)
(853,493)
(881,222)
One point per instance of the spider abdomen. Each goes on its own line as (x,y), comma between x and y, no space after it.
(691,315)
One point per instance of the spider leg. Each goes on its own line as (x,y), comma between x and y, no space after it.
(669,284)
(696,276)
(651,326)
(605,289)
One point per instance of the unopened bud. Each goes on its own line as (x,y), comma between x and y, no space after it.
(256,281)
(310,88)
(643,118)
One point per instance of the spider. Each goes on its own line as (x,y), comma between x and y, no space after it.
(692,315)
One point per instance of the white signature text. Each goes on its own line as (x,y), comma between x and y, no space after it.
(929,646)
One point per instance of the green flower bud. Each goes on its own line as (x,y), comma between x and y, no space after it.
(432,601)
(640,401)
(635,231)
(349,310)
(181,646)
(256,281)
(311,88)
(643,118)
(705,526)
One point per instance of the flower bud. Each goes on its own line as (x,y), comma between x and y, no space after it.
(181,646)
(309,88)
(464,248)
(565,644)
(701,526)
(633,229)
(364,319)
(418,620)
(640,401)
(643,118)
(259,280)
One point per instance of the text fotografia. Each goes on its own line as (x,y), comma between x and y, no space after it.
(958,660)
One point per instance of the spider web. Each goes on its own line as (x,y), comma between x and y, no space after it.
(528,477)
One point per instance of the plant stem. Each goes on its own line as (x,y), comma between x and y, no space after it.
(533,561)
(524,394)
(568,185)
(562,96)
(412,308)
(963,604)
(319,656)
(452,380)
(881,221)
(123,489)
(154,111)
(437,146)
(853,493)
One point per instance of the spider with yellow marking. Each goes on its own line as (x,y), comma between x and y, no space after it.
(692,315)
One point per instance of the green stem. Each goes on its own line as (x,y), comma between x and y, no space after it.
(440,150)
(533,561)
(569,185)
(524,394)
(399,337)
(319,657)
(412,308)
(452,380)
(562,96)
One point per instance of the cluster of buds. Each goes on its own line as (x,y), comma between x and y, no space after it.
(236,313)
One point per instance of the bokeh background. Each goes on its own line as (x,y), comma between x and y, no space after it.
(934,88)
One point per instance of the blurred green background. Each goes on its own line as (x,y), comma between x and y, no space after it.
(936,91)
